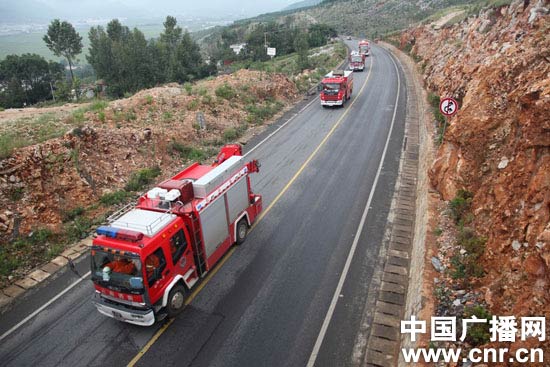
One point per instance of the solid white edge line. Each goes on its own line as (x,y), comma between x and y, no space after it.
(332,307)
(26,319)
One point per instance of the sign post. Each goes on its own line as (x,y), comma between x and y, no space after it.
(448,107)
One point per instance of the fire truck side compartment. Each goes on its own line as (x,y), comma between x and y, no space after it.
(207,183)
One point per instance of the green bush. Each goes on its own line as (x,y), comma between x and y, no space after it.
(478,333)
(97,106)
(73,213)
(40,236)
(460,205)
(257,114)
(225,91)
(167,116)
(101,116)
(230,134)
(187,152)
(138,180)
(193,105)
(148,99)
(78,116)
(114,198)
(188,88)
(130,116)
(78,229)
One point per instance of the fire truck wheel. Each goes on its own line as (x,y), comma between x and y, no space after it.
(242,231)
(176,300)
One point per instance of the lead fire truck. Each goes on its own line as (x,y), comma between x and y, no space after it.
(336,88)
(356,61)
(364,47)
(152,253)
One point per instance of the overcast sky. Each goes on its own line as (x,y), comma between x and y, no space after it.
(17,10)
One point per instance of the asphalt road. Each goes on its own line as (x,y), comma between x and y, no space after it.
(266,304)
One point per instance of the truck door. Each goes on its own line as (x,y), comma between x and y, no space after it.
(156,273)
(179,253)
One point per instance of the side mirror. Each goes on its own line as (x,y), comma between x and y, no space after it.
(319,88)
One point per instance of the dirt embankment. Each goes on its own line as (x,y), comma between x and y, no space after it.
(497,65)
(41,183)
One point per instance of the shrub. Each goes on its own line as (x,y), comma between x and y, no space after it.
(258,114)
(101,116)
(460,205)
(193,105)
(97,106)
(78,229)
(167,116)
(186,152)
(225,91)
(478,333)
(138,180)
(114,198)
(148,99)
(73,213)
(230,134)
(188,88)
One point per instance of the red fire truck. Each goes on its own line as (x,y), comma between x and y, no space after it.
(152,253)
(364,47)
(336,88)
(356,61)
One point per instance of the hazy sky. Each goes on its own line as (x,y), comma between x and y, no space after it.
(21,10)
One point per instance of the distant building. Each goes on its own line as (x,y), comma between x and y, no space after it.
(238,47)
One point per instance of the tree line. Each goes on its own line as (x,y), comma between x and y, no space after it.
(124,59)
(285,37)
(127,62)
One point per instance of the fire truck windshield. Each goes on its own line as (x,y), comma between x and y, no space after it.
(356,59)
(331,87)
(117,270)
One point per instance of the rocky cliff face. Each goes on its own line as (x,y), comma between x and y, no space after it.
(497,65)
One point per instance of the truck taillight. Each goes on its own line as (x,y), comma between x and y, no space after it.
(119,234)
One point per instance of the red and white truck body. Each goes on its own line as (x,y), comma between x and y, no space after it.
(356,61)
(148,257)
(336,88)
(364,47)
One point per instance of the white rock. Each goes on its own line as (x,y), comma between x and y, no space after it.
(456,302)
(539,245)
(516,245)
(503,163)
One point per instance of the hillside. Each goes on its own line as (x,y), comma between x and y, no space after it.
(54,190)
(375,18)
(493,165)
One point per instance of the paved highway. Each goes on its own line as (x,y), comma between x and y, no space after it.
(268,305)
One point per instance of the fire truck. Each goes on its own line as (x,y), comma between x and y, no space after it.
(356,61)
(364,47)
(145,261)
(336,88)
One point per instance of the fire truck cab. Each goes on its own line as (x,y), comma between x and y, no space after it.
(150,255)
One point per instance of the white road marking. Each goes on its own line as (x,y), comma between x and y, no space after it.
(337,292)
(26,319)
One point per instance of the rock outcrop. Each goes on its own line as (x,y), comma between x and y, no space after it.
(497,66)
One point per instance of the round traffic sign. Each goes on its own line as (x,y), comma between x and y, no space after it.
(448,106)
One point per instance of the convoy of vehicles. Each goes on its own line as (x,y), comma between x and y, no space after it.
(151,254)
(336,88)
